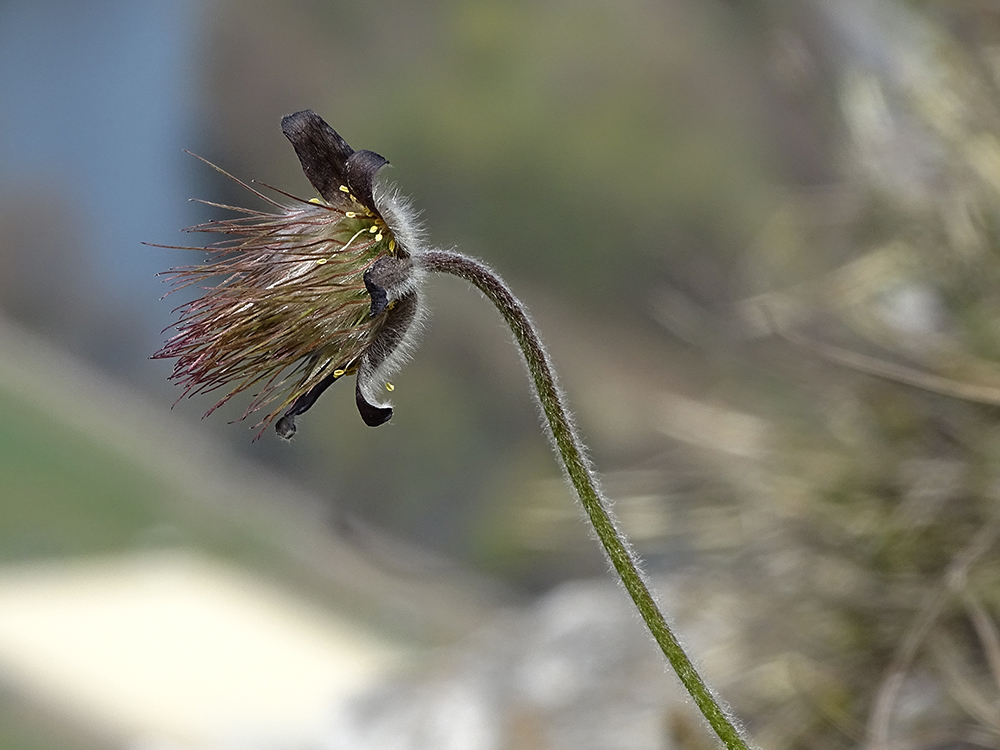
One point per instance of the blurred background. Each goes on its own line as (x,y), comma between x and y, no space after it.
(761,242)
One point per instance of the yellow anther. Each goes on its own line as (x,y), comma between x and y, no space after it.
(317,201)
(321,261)
(338,373)
(350,214)
(392,245)
(373,228)
(390,387)
(378,237)
(343,189)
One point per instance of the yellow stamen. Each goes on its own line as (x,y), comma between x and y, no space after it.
(338,373)
(378,237)
(392,245)
(343,189)
(373,228)
(317,201)
(350,214)
(321,261)
(390,387)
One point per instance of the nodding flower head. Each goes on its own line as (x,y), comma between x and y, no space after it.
(304,294)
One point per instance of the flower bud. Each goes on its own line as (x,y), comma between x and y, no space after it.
(303,294)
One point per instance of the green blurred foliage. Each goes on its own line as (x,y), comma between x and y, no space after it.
(74,497)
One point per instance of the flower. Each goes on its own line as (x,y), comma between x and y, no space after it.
(297,298)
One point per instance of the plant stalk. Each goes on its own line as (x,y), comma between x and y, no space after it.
(581,474)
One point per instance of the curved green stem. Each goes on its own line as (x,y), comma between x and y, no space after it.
(580,472)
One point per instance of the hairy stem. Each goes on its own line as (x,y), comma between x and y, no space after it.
(580,472)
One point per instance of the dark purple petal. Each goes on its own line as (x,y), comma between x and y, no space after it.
(386,281)
(380,299)
(321,151)
(362,166)
(285,426)
(328,162)
(398,320)
(371,414)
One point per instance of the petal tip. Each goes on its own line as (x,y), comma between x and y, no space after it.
(285,427)
(372,415)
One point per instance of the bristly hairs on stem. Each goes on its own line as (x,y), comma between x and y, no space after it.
(578,469)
